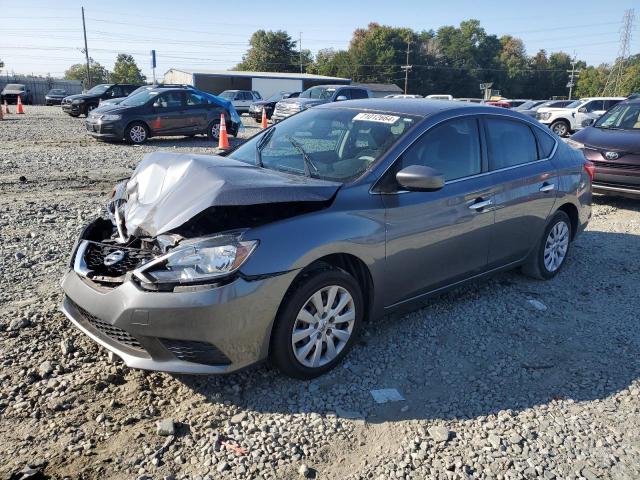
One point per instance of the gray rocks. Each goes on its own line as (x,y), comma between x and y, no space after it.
(439,434)
(45,368)
(18,323)
(165,427)
(238,418)
(537,305)
(304,471)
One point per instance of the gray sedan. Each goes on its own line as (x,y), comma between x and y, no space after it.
(348,211)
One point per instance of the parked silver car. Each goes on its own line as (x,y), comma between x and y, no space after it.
(331,218)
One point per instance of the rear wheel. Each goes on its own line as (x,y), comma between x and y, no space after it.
(552,250)
(136,133)
(317,323)
(560,128)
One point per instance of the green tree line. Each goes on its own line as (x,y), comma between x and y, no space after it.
(125,70)
(452,60)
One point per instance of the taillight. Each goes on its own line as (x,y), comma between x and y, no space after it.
(590,168)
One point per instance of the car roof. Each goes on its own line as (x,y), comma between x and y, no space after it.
(414,106)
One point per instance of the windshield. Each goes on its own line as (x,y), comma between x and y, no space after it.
(57,91)
(137,99)
(14,86)
(227,95)
(139,89)
(339,144)
(622,116)
(574,104)
(276,97)
(318,93)
(526,105)
(98,89)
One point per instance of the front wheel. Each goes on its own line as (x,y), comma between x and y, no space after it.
(560,128)
(213,130)
(551,252)
(136,133)
(317,323)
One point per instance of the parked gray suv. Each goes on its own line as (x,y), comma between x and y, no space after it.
(315,96)
(333,217)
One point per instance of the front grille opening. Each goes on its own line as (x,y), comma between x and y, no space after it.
(195,351)
(112,332)
(96,253)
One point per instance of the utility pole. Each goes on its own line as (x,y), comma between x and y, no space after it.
(573,74)
(406,68)
(300,52)
(86,50)
(614,79)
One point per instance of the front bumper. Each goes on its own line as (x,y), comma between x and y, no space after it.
(72,108)
(52,101)
(228,326)
(105,130)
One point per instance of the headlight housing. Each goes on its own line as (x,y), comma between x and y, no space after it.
(199,261)
(77,101)
(110,117)
(545,115)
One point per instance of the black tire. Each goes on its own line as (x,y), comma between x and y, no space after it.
(281,349)
(535,266)
(133,133)
(213,130)
(74,114)
(560,128)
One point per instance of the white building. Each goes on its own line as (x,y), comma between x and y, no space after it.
(267,83)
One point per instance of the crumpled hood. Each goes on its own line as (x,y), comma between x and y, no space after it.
(604,139)
(168,189)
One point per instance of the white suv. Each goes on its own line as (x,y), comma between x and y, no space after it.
(241,99)
(564,121)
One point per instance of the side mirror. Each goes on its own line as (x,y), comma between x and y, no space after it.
(588,122)
(419,178)
(340,98)
(582,109)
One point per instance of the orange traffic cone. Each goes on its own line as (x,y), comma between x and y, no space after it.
(6,107)
(223,140)
(19,107)
(263,124)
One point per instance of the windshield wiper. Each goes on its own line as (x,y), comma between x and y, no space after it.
(261,144)
(305,156)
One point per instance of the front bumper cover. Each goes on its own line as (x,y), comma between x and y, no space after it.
(143,328)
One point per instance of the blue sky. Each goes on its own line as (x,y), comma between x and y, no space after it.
(38,37)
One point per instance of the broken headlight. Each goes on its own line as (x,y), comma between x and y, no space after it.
(199,261)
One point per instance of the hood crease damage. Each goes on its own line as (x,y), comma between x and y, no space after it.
(187,192)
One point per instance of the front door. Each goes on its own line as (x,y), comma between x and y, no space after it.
(168,115)
(438,238)
(526,187)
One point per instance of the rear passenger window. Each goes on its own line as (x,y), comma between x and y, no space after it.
(452,148)
(545,143)
(510,143)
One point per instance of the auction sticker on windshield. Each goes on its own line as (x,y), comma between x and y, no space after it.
(376,117)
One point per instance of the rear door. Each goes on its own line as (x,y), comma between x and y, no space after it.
(438,238)
(197,106)
(526,186)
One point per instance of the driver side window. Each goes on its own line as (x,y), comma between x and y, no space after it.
(452,148)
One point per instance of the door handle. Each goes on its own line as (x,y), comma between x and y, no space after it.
(480,204)
(547,187)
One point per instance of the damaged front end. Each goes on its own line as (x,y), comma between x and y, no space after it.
(181,221)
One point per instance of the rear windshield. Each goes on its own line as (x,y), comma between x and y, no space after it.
(227,95)
(57,91)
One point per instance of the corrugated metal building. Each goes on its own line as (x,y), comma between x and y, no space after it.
(40,86)
(267,83)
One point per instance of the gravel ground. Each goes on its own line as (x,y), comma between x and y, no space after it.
(504,379)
